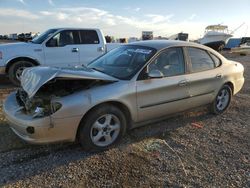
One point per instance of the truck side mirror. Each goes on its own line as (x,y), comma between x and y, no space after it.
(52,43)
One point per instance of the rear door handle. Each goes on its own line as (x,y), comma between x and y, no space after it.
(183,83)
(75,49)
(218,76)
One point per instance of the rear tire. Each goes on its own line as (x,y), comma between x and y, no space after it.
(15,71)
(102,128)
(222,100)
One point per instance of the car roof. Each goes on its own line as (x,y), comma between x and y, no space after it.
(75,28)
(161,44)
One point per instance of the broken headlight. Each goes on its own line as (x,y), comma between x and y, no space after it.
(39,112)
(45,111)
(55,106)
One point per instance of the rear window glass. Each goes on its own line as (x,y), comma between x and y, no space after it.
(217,61)
(200,60)
(89,37)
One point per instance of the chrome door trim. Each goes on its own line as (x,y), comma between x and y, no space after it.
(169,101)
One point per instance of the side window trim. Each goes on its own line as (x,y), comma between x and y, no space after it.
(80,36)
(187,60)
(211,58)
(76,34)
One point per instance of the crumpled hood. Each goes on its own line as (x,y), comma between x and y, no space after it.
(34,78)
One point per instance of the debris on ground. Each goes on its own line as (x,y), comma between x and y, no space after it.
(197,125)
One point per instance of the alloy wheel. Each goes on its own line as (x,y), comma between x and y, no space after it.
(222,99)
(105,130)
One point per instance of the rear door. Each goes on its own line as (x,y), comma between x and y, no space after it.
(157,97)
(62,50)
(91,46)
(205,76)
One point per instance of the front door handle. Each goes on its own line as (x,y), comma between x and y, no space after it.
(218,76)
(183,83)
(75,49)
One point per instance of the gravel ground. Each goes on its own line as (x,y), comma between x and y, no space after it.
(193,149)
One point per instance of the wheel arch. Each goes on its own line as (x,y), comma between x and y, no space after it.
(12,61)
(231,85)
(119,105)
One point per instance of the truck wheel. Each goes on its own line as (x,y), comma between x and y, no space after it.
(15,71)
(102,128)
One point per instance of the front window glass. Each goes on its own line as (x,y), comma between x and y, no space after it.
(64,38)
(123,62)
(170,62)
(39,39)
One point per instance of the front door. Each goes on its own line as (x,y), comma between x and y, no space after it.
(62,50)
(157,97)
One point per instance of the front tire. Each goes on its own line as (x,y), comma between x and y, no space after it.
(102,128)
(222,100)
(15,71)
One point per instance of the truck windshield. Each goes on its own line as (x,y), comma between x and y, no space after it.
(123,62)
(39,39)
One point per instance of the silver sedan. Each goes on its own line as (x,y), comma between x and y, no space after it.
(127,87)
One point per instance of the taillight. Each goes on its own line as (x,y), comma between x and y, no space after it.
(1,55)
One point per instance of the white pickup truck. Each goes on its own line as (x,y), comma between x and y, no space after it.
(61,47)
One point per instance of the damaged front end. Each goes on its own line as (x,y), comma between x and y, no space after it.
(43,102)
(50,105)
(38,106)
(41,86)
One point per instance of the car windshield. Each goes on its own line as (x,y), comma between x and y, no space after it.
(39,39)
(123,62)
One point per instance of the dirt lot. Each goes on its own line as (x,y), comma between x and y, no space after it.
(213,152)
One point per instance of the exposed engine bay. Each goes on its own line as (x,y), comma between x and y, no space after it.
(41,104)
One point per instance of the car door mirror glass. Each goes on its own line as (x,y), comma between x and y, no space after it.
(155,74)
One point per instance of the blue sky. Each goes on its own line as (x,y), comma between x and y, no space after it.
(125,18)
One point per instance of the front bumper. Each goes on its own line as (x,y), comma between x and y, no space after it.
(46,129)
(2,70)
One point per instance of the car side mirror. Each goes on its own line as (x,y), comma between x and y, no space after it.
(52,43)
(155,74)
